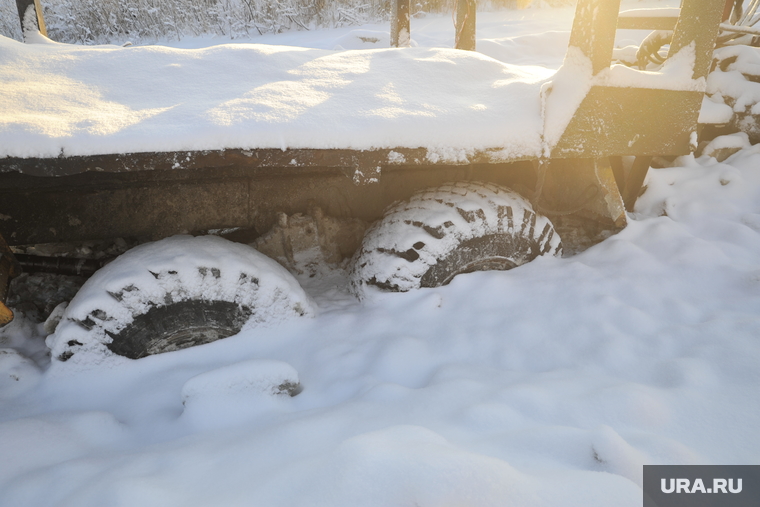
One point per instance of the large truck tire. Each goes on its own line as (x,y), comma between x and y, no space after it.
(449,230)
(173,294)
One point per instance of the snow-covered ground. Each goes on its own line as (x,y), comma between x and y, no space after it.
(547,385)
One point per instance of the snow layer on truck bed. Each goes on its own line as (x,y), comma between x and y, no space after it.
(74,100)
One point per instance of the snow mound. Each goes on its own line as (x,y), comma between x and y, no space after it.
(238,393)
(176,269)
(246,378)
(18,374)
(412,465)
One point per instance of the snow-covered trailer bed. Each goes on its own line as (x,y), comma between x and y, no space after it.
(106,142)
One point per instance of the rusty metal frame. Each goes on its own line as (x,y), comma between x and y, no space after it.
(637,121)
(643,122)
(159,203)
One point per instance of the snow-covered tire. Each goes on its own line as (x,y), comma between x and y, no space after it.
(173,294)
(449,230)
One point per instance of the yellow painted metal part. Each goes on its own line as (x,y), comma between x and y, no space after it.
(6,314)
(9,268)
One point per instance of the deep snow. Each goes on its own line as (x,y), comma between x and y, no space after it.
(143,99)
(547,385)
(61,99)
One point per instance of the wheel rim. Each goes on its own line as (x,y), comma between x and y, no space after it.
(177,326)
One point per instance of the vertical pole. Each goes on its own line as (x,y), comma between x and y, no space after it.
(594,28)
(400,31)
(31,20)
(698,24)
(40,18)
(465,25)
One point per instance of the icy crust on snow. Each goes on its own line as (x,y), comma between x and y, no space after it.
(434,222)
(62,99)
(174,269)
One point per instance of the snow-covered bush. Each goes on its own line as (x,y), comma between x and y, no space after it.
(116,21)
(9,23)
(95,21)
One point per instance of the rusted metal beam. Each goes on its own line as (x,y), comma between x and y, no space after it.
(634,181)
(618,170)
(581,187)
(364,161)
(156,204)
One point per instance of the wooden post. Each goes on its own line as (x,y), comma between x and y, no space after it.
(698,23)
(23,7)
(465,25)
(400,31)
(594,28)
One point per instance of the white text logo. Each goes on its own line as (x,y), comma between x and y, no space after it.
(685,486)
